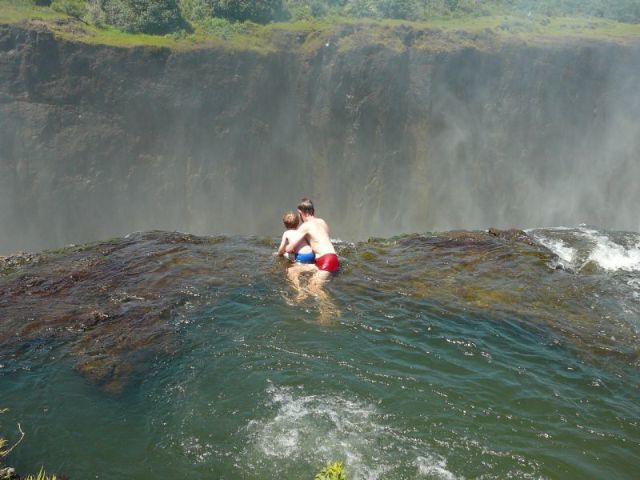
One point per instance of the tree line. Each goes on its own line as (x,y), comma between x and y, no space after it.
(165,16)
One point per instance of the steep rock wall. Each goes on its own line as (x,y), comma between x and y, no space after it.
(97,141)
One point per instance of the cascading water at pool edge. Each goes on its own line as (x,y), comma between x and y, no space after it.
(99,141)
(453,355)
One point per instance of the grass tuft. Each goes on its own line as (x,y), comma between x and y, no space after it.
(42,475)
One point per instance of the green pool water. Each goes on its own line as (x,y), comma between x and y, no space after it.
(394,381)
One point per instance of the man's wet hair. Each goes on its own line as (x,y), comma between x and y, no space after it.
(291,220)
(306,207)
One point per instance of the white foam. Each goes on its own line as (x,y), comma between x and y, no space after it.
(557,246)
(339,241)
(560,228)
(326,428)
(615,257)
(434,467)
(634,283)
(329,426)
(612,256)
(600,249)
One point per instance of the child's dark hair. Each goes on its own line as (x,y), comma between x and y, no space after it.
(291,220)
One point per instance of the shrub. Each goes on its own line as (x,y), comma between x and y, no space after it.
(402,9)
(197,10)
(333,471)
(259,11)
(308,9)
(6,472)
(144,16)
(361,8)
(625,10)
(4,451)
(222,27)
(95,14)
(73,8)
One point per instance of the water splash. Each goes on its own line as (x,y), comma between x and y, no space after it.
(613,256)
(582,246)
(322,428)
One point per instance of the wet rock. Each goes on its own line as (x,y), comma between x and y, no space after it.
(111,304)
(12,262)
(512,235)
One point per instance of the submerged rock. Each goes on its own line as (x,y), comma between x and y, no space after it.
(109,302)
(119,306)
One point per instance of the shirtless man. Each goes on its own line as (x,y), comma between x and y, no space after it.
(316,232)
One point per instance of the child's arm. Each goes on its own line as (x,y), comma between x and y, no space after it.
(297,237)
(283,244)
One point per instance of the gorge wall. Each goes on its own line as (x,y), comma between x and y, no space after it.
(98,141)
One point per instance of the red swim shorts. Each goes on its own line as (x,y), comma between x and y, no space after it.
(328,262)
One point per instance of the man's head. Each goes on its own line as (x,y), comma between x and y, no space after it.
(305,207)
(291,220)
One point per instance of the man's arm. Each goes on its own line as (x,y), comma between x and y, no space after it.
(296,238)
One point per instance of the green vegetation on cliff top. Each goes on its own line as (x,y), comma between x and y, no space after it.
(311,33)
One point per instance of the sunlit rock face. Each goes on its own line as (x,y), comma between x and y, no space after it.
(98,141)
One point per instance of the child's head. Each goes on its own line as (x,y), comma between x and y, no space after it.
(290,220)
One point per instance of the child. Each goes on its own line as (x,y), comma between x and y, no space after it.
(303,254)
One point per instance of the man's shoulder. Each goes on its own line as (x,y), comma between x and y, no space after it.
(320,222)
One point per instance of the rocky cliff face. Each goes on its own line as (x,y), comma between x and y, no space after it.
(97,141)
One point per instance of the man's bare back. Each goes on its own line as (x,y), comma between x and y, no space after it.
(316,232)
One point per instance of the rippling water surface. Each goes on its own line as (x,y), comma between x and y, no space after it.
(452,355)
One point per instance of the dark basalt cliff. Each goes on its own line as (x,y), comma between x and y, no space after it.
(98,141)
